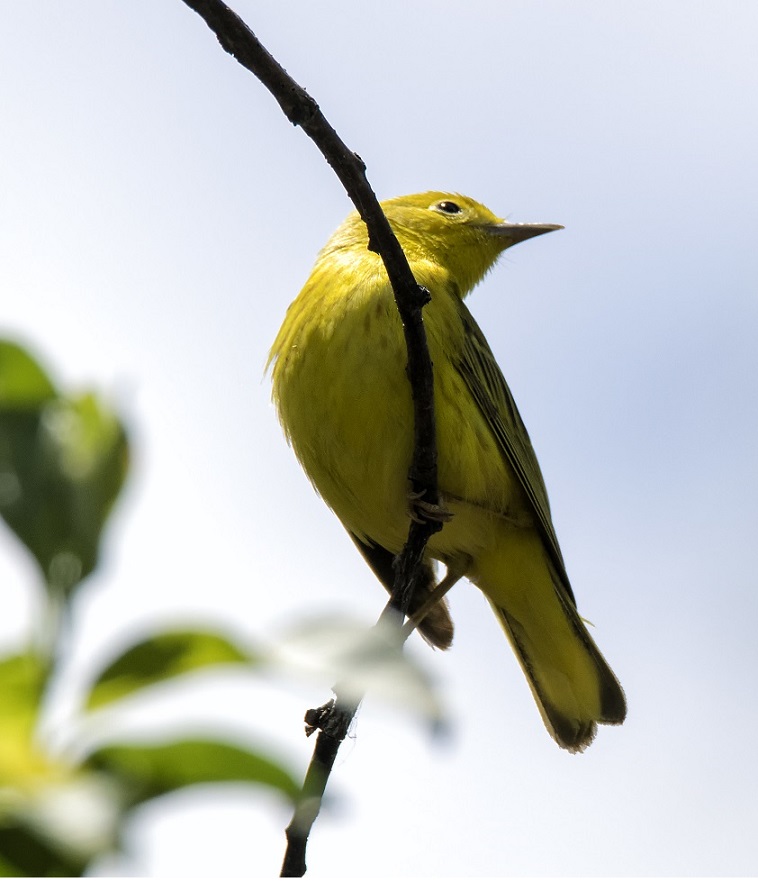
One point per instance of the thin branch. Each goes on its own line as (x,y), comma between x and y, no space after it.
(333,722)
(334,719)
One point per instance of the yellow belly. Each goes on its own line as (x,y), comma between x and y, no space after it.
(345,403)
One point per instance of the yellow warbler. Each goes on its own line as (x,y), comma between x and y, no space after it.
(343,398)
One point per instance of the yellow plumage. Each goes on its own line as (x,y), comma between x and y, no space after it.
(344,401)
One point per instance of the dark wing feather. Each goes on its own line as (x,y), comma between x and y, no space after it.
(487,385)
(437,626)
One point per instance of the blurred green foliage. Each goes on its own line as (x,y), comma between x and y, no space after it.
(63,462)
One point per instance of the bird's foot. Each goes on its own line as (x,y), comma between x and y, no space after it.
(422,511)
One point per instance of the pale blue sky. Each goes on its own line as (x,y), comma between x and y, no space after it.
(158,214)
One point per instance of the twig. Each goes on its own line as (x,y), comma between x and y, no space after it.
(334,719)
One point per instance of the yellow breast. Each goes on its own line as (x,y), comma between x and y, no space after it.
(344,401)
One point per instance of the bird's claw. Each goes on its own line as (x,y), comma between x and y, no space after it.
(422,511)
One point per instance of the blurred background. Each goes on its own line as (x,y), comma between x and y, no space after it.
(158,214)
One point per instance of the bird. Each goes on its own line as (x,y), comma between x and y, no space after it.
(339,385)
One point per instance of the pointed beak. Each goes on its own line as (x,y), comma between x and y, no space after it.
(520,232)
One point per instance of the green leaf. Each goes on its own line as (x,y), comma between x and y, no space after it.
(161,657)
(53,818)
(24,851)
(22,679)
(146,771)
(63,462)
(77,814)
(23,382)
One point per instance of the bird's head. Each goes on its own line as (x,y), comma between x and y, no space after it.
(456,232)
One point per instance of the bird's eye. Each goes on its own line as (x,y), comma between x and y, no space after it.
(447,207)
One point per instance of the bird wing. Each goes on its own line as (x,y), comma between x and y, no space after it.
(437,627)
(481,373)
